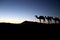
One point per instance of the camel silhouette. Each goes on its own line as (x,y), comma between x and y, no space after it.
(56,19)
(49,19)
(40,18)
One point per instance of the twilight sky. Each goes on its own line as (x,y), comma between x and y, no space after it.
(22,10)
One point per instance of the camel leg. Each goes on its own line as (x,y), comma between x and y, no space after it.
(55,21)
(48,21)
(40,20)
(44,21)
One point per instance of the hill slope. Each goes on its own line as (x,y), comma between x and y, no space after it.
(27,26)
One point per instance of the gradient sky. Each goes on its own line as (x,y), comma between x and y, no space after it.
(27,9)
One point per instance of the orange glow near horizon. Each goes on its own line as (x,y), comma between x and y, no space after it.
(15,21)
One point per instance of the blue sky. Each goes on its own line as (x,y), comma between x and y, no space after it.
(27,9)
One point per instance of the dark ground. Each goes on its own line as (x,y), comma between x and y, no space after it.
(29,27)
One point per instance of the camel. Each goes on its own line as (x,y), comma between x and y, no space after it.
(56,19)
(49,19)
(40,18)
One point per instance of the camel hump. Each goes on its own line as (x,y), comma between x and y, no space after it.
(41,16)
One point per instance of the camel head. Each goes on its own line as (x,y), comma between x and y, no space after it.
(36,16)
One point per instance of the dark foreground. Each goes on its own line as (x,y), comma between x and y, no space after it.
(29,27)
